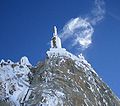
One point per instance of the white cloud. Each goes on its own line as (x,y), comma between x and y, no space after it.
(80,30)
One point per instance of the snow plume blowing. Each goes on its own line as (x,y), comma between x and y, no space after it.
(78,31)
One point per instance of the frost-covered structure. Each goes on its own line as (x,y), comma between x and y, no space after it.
(56,41)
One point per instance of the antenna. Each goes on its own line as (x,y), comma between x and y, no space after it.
(55,30)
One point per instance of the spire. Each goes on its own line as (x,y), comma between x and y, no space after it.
(55,30)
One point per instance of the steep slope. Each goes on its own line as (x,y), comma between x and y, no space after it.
(66,80)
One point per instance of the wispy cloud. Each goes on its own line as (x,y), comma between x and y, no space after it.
(114,16)
(80,30)
(98,12)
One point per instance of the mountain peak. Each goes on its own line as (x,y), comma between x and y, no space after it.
(56,50)
(63,79)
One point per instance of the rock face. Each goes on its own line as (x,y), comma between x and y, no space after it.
(64,80)
(68,81)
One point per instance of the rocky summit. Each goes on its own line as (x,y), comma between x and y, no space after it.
(63,79)
(67,80)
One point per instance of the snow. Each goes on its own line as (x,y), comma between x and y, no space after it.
(2,61)
(10,62)
(56,52)
(104,101)
(14,79)
(52,99)
(24,61)
(79,60)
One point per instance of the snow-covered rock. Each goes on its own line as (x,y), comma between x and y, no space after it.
(2,61)
(67,80)
(14,81)
(24,61)
(63,79)
(79,60)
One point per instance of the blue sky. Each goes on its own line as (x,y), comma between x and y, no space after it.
(26,27)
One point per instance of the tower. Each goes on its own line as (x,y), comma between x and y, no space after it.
(56,41)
